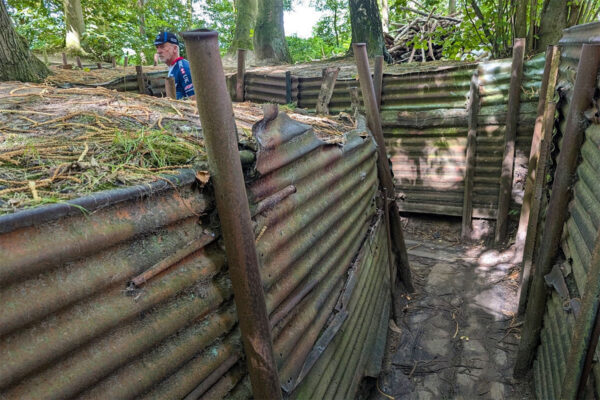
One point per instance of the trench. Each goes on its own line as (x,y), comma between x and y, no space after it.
(456,337)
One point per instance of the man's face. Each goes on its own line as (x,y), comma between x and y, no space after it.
(166,52)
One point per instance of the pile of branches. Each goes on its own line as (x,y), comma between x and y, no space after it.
(416,40)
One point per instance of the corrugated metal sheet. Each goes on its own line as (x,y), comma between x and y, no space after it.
(71,325)
(269,88)
(580,229)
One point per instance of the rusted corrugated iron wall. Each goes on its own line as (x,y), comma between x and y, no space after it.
(579,233)
(72,326)
(270,88)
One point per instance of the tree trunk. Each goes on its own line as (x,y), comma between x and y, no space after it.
(245,16)
(552,22)
(521,18)
(385,15)
(142,17)
(74,26)
(269,36)
(366,26)
(17,63)
(451,6)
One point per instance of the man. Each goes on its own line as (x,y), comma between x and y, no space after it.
(167,48)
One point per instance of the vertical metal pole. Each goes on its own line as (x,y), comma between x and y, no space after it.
(241,72)
(378,79)
(170,87)
(383,169)
(288,87)
(585,333)
(219,131)
(512,118)
(583,94)
(467,214)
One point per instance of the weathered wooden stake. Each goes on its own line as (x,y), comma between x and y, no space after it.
(473,110)
(45,54)
(241,73)
(125,60)
(64,59)
(583,94)
(170,87)
(114,62)
(355,101)
(99,65)
(508,159)
(378,79)
(140,78)
(327,86)
(288,87)
(585,333)
(78,61)
(530,210)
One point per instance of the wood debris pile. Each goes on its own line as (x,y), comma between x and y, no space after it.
(87,76)
(60,144)
(419,39)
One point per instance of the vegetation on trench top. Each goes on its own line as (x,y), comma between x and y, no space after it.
(60,144)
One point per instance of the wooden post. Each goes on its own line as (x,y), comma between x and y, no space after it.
(355,101)
(45,53)
(288,87)
(473,110)
(327,86)
(585,333)
(64,60)
(583,94)
(125,60)
(383,169)
(114,62)
(170,87)
(512,118)
(378,79)
(78,61)
(99,65)
(241,73)
(140,78)
(527,233)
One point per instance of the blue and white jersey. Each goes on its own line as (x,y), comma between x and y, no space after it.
(180,71)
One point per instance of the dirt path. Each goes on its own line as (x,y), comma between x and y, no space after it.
(456,337)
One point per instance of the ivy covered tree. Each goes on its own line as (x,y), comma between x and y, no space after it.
(16,60)
(245,18)
(366,26)
(269,36)
(75,26)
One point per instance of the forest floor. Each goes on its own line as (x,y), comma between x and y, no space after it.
(456,337)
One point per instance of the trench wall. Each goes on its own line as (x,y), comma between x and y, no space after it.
(579,232)
(72,325)
(425,124)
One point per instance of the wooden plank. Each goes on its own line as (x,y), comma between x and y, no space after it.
(506,178)
(241,72)
(532,197)
(328,84)
(473,109)
(140,78)
(378,79)
(170,87)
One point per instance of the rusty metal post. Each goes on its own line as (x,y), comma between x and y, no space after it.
(232,205)
(378,79)
(383,169)
(170,87)
(241,72)
(585,332)
(508,159)
(583,94)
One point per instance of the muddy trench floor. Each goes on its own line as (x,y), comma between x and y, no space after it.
(456,337)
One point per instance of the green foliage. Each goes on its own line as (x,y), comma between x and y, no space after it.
(219,15)
(314,48)
(40,23)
